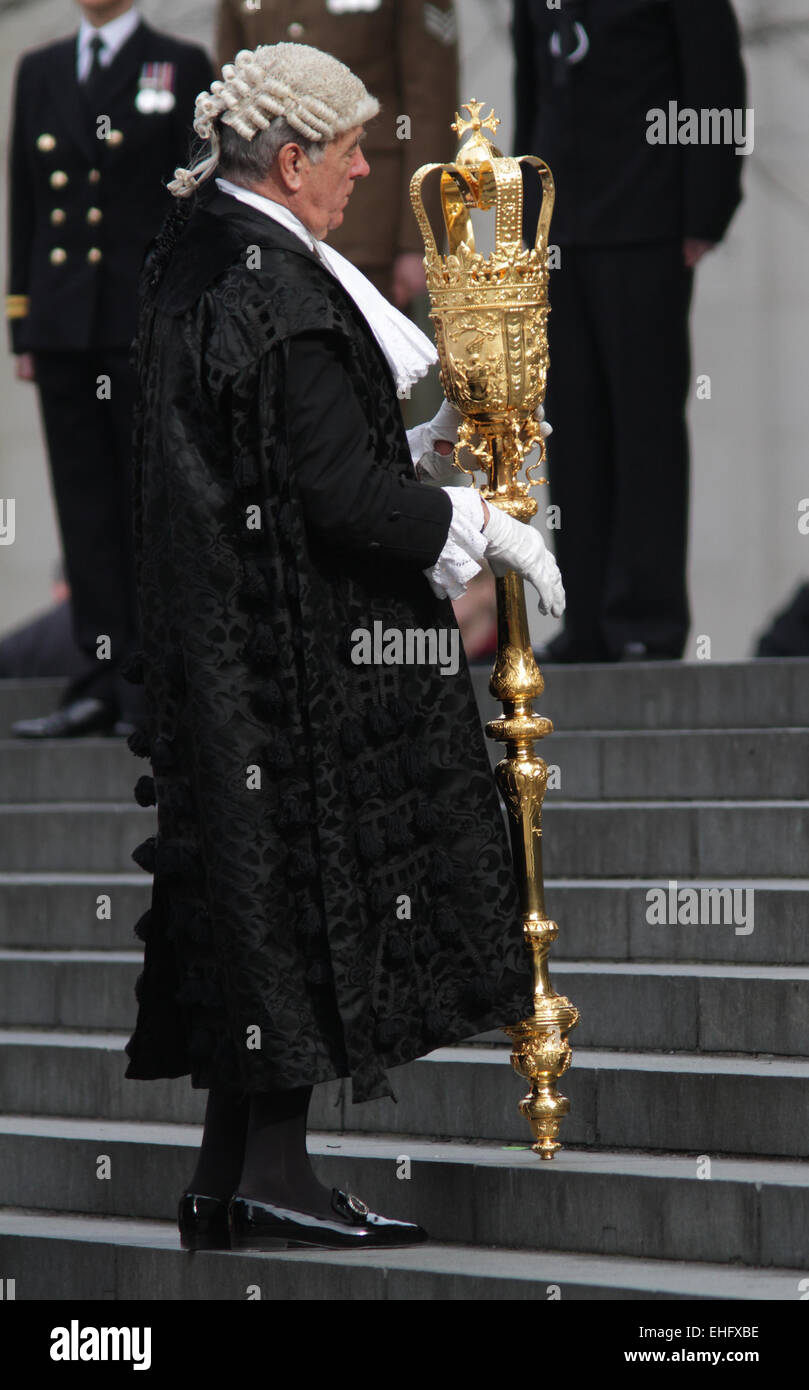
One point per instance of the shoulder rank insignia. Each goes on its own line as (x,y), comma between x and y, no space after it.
(156,89)
(442,24)
(352,6)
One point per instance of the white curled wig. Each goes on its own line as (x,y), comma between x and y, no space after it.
(314,93)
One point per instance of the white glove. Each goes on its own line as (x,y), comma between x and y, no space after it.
(511,545)
(423,439)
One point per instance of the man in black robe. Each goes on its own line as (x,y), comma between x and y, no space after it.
(333,893)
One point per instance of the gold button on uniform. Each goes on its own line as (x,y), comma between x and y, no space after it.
(94,255)
(94,175)
(46,143)
(58,216)
(295,30)
(115,137)
(94,215)
(58,255)
(58,178)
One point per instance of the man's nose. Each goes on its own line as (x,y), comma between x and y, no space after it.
(360,168)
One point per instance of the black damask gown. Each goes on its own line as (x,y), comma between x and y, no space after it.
(333,891)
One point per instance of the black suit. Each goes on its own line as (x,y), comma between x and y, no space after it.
(618,331)
(87,194)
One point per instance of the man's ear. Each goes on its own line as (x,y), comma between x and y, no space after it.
(290,161)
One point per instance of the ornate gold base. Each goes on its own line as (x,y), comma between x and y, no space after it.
(542,1054)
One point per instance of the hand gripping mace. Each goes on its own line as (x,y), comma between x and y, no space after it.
(490,315)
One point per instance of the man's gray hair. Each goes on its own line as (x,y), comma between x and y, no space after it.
(249,161)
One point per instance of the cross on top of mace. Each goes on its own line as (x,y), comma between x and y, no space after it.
(460,125)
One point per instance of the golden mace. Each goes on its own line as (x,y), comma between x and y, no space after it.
(491,316)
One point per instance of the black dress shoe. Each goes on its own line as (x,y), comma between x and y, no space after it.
(641,651)
(565,649)
(203,1222)
(87,716)
(263,1226)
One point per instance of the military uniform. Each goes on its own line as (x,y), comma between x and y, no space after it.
(87,194)
(621,295)
(406,53)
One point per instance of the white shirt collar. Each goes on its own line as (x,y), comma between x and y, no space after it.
(114,34)
(277,211)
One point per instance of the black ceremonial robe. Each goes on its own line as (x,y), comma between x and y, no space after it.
(333,891)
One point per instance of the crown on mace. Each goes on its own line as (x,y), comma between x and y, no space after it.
(481,177)
(489,311)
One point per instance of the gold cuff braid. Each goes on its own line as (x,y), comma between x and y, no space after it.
(17,306)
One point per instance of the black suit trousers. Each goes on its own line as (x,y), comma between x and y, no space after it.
(618,458)
(86,401)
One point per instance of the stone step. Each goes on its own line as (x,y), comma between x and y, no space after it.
(603,919)
(657,838)
(73,835)
(688,1008)
(68,769)
(69,989)
(27,699)
(669,695)
(706,1104)
(649,1007)
(626,695)
(58,911)
(83,1258)
(633,839)
(652,1206)
(608,919)
(676,764)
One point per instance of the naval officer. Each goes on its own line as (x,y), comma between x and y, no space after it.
(100,120)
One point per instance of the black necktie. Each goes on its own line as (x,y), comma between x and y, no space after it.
(96,67)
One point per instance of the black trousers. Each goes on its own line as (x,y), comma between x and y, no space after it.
(88,429)
(618,457)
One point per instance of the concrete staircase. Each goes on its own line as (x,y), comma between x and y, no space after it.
(684,1173)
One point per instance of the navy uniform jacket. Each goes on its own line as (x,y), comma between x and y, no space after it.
(613,186)
(83,209)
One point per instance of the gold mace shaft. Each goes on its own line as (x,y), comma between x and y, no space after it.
(541,1052)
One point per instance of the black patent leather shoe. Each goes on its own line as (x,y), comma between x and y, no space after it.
(203,1222)
(564,650)
(263,1226)
(87,716)
(642,651)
